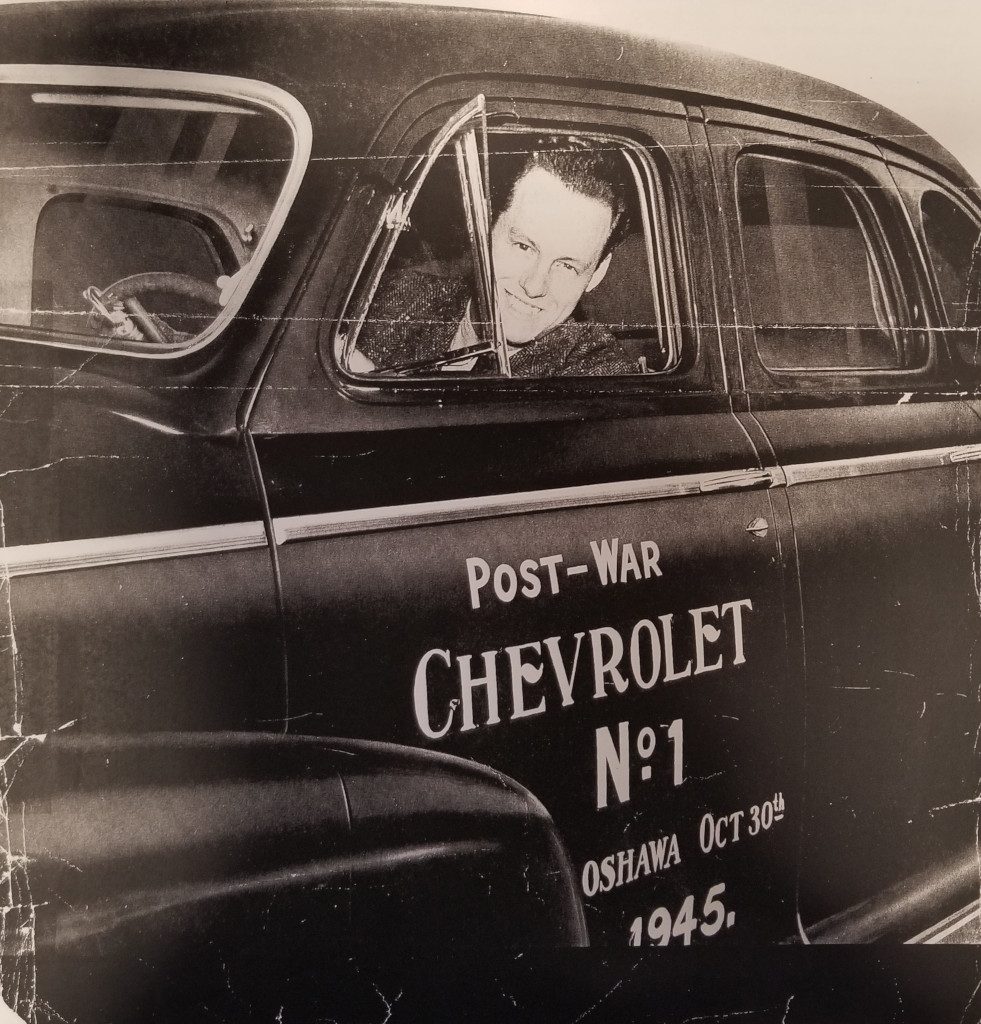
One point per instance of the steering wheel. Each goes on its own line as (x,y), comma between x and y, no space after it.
(126,292)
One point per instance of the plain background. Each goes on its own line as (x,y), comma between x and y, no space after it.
(922,58)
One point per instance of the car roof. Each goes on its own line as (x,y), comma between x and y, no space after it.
(372,55)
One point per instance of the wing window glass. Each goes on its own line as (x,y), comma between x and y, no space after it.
(569,241)
(132,218)
(428,313)
(820,299)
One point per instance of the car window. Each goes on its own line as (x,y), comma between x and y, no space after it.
(819,297)
(130,217)
(571,243)
(431,270)
(953,240)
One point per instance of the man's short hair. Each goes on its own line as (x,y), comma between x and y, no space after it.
(595,170)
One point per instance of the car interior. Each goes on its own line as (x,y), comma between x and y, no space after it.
(124,212)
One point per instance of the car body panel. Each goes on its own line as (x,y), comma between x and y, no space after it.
(776,681)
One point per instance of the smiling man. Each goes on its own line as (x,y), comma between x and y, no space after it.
(551,244)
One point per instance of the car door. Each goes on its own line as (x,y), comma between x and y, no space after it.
(862,406)
(575,581)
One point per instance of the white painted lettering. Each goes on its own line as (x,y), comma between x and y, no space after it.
(420,696)
(653,644)
(626,866)
(521,673)
(705,633)
(590,878)
(469,683)
(629,564)
(670,673)
(650,553)
(505,583)
(532,585)
(736,607)
(612,762)
(478,574)
(605,557)
(609,874)
(607,665)
(550,562)
(643,862)
(562,677)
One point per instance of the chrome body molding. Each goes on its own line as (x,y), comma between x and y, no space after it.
(950,926)
(874,465)
(332,524)
(966,453)
(59,556)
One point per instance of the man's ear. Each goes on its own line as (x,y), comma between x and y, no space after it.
(599,273)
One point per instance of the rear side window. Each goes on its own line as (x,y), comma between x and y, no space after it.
(134,218)
(819,298)
(953,239)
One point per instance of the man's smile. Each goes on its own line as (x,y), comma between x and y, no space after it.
(522,305)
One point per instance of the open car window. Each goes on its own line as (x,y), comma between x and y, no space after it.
(534,256)
(136,215)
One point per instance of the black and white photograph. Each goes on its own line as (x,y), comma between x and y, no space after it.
(490,512)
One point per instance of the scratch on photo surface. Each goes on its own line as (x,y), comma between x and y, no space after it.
(389,1004)
(18,990)
(707,1018)
(970,1002)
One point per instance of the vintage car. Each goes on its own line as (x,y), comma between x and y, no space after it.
(315,637)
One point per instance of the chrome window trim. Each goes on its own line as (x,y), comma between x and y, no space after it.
(227,87)
(651,188)
(384,238)
(661,243)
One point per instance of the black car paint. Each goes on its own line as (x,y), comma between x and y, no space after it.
(322,636)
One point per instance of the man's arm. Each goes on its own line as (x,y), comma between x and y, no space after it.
(413,317)
(575,349)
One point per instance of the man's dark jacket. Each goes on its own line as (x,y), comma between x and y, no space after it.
(415,316)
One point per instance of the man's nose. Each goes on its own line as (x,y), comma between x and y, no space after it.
(535,279)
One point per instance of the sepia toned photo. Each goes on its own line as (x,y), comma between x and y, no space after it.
(490,514)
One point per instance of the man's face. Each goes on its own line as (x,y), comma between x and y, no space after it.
(546,246)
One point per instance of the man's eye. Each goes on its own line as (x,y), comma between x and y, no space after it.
(523,246)
(571,267)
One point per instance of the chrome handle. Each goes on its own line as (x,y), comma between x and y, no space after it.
(759,527)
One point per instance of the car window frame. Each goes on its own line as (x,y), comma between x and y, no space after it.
(666,261)
(912,176)
(975,268)
(879,251)
(175,85)
(468,120)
